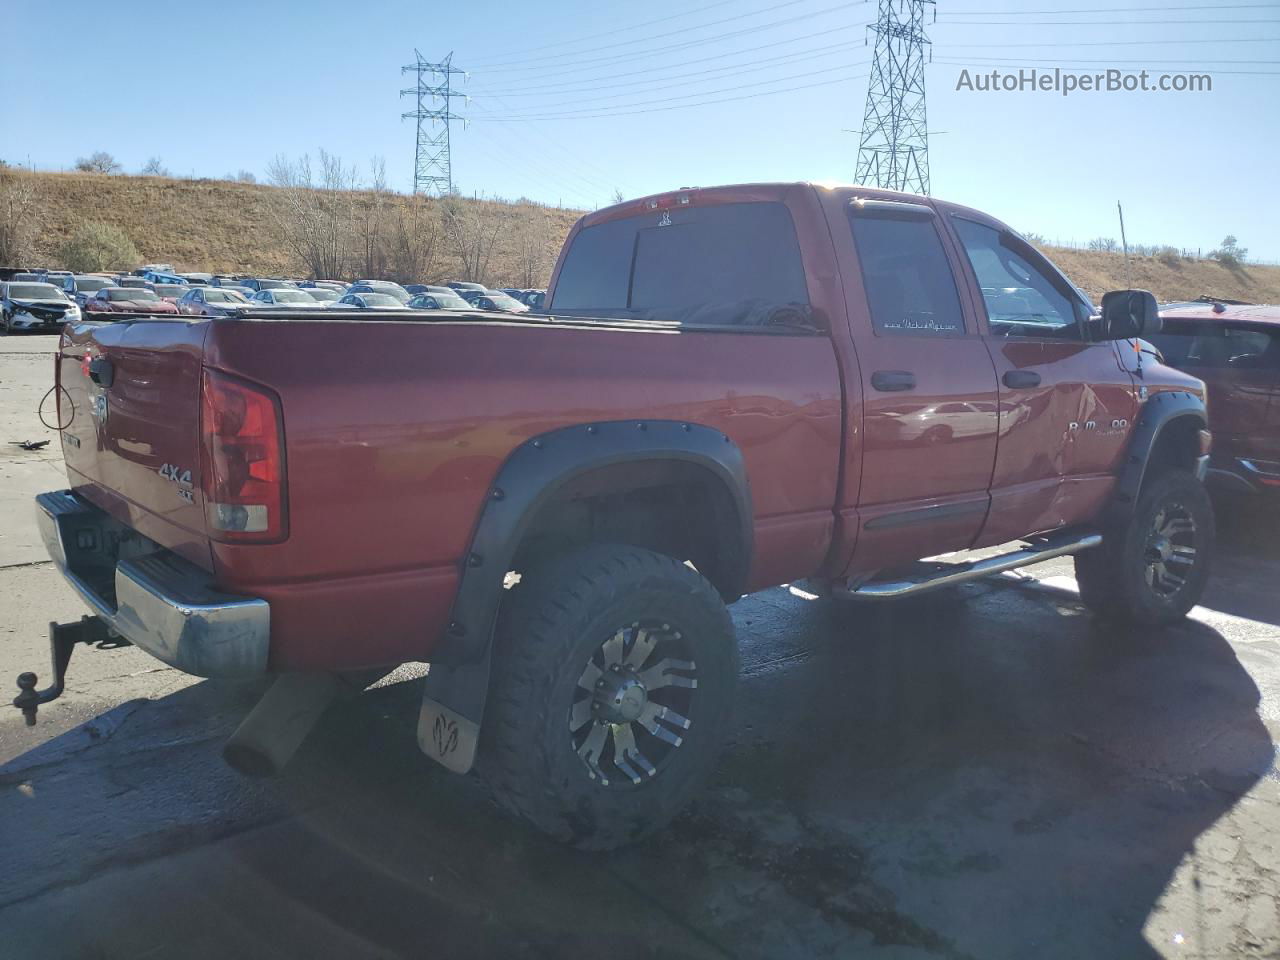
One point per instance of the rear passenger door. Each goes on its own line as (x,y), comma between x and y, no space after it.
(928,389)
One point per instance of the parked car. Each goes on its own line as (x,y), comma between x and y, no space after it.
(493,300)
(202,301)
(336,285)
(257,284)
(27,277)
(82,286)
(111,300)
(369,301)
(133,282)
(461,285)
(534,299)
(197,279)
(340,496)
(27,307)
(172,292)
(323,294)
(380,286)
(56,277)
(1235,350)
(438,299)
(416,288)
(287,298)
(170,279)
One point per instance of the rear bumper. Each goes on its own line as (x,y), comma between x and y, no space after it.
(156,600)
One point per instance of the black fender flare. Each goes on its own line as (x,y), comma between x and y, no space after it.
(457,681)
(1159,411)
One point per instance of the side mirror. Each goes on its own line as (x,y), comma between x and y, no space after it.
(1127,314)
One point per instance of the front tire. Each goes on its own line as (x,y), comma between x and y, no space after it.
(1153,569)
(613,681)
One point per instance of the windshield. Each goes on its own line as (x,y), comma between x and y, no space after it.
(35,291)
(92,283)
(450,301)
(322,293)
(503,302)
(293,296)
(380,300)
(273,285)
(131,293)
(734,263)
(223,296)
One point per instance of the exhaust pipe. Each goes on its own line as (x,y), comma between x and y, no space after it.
(270,735)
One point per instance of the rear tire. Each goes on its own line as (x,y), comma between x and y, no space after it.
(1153,569)
(613,681)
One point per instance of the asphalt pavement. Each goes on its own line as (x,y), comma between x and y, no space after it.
(984,773)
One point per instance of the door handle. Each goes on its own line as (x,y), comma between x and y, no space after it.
(891,381)
(1021,379)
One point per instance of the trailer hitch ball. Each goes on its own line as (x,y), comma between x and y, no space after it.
(27,700)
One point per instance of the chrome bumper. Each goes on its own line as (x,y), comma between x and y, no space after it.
(162,604)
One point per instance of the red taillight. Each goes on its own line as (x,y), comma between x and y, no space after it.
(243,460)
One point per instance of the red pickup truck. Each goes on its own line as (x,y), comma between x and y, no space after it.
(731,388)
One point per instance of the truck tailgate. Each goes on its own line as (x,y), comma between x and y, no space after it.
(132,395)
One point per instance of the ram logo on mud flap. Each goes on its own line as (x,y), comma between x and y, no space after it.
(444,733)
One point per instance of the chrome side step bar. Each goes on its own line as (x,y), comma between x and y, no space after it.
(1060,545)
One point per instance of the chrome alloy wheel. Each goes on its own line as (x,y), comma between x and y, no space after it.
(632,703)
(1171,549)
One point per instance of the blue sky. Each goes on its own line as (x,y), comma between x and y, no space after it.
(212,90)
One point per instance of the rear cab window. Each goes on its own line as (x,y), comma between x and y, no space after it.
(1213,345)
(719,265)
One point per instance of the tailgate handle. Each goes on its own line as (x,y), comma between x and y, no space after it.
(101,371)
(1021,379)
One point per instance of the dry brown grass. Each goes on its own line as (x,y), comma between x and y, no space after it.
(227,227)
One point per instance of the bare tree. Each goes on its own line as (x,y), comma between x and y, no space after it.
(533,248)
(413,239)
(245,176)
(98,162)
(371,219)
(17,217)
(471,230)
(315,212)
(155,168)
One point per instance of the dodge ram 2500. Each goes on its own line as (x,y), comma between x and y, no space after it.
(729,389)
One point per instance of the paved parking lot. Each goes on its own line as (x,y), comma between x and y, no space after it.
(986,773)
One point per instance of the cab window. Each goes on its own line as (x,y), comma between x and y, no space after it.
(911,290)
(1022,297)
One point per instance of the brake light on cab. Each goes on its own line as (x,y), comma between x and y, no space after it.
(242,460)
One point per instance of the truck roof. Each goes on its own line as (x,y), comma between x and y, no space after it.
(1259,313)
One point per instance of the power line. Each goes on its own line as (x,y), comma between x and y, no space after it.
(628,113)
(1118,43)
(634,26)
(704,93)
(947,14)
(1099,23)
(584,81)
(657,36)
(432,160)
(893,151)
(671,48)
(680,80)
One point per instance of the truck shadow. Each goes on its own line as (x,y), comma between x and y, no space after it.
(1247,563)
(986,774)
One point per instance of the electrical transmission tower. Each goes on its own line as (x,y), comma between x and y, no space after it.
(894,149)
(432,167)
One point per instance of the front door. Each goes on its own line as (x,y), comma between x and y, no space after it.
(928,388)
(1065,404)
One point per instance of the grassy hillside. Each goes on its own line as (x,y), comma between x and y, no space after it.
(221,226)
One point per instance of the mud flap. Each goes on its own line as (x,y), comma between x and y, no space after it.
(453,699)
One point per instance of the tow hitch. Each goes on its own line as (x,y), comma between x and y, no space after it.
(63,638)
